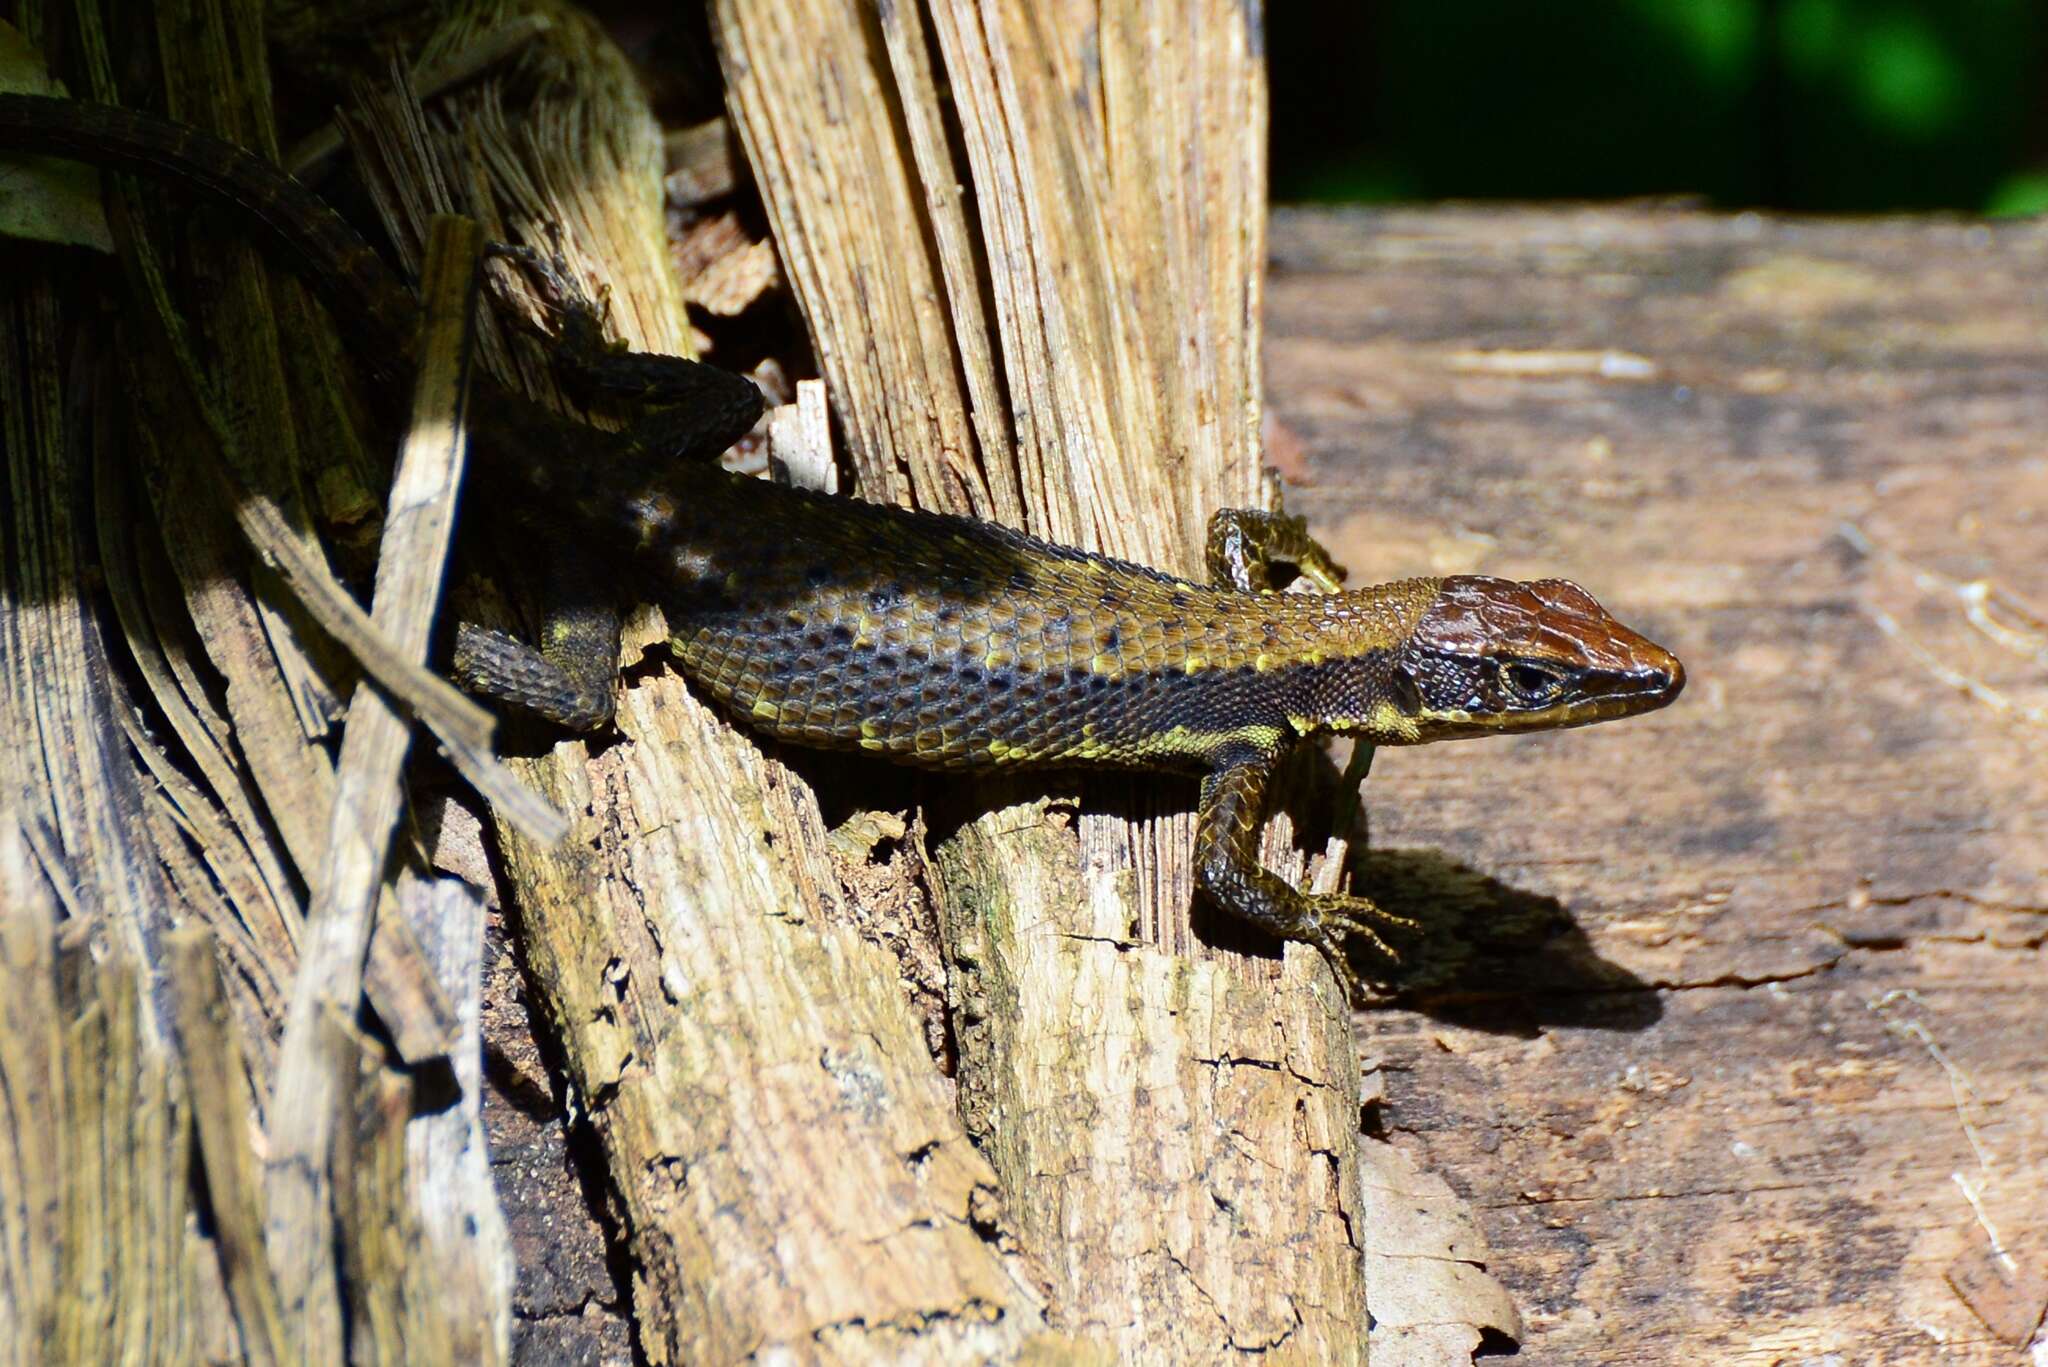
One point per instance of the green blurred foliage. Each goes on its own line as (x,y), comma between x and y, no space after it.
(1838,105)
(2020,195)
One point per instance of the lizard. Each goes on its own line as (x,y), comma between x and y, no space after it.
(938,640)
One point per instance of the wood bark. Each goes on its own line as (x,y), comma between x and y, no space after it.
(786,1164)
(131,880)
(1720,1037)
(1727,1024)
(1069,311)
(760,1205)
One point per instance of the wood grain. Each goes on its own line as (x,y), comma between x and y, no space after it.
(782,1161)
(1172,1126)
(307,1099)
(1729,1023)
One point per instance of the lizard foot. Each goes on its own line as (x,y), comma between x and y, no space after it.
(1327,920)
(579,316)
(1245,542)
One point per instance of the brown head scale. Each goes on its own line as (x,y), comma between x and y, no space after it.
(1491,655)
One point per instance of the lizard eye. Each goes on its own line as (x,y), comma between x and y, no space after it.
(1529,683)
(1407,694)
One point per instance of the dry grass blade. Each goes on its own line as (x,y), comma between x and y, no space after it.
(224,1108)
(307,1097)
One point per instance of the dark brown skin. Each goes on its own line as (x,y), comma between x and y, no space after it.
(942,641)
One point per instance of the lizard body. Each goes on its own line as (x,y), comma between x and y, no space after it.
(945,641)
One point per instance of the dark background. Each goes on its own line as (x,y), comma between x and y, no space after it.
(1825,105)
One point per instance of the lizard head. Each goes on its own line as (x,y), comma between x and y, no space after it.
(1490,655)
(1478,655)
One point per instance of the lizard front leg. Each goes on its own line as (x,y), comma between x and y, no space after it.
(568,679)
(1228,871)
(1244,543)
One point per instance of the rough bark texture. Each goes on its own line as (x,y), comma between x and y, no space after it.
(1066,308)
(782,1161)
(1726,1022)
(1729,1025)
(151,836)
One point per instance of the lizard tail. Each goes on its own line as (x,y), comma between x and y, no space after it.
(364,294)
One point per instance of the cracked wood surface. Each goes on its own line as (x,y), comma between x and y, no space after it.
(783,1167)
(1728,1022)
(1027,245)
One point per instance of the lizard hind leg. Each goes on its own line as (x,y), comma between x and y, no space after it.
(568,678)
(507,669)
(1228,871)
(1244,543)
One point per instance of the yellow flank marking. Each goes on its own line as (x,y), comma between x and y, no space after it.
(1102,664)
(1264,662)
(870,743)
(869,730)
(995,659)
(766,710)
(1195,664)
(1182,741)
(1385,720)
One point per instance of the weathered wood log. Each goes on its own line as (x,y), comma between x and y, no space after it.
(126,1038)
(1729,1024)
(1065,312)
(1724,1020)
(783,1159)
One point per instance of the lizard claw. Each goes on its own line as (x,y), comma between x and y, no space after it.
(555,289)
(1329,919)
(1315,563)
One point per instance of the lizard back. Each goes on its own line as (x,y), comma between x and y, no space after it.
(954,643)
